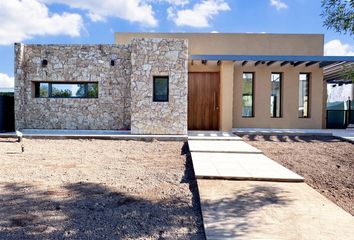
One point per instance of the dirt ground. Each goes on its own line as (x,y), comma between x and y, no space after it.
(97,189)
(326,163)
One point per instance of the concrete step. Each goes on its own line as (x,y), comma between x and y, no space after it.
(350,127)
(237,166)
(221,146)
(213,135)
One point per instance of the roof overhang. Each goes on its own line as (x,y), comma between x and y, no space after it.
(269,59)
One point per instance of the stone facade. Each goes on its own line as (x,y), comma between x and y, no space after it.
(73,63)
(124,90)
(159,57)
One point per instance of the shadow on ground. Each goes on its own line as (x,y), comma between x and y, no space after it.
(86,210)
(233,217)
(289,138)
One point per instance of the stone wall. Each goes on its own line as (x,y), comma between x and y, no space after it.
(159,57)
(73,63)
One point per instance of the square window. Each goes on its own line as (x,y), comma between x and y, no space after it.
(160,89)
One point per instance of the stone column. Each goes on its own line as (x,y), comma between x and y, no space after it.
(159,57)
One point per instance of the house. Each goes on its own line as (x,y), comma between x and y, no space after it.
(169,83)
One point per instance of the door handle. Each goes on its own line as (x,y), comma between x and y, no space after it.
(215,105)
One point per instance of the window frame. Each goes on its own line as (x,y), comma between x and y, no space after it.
(281,74)
(308,94)
(253,80)
(154,99)
(50,89)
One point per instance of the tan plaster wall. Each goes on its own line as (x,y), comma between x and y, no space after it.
(241,43)
(290,87)
(226,92)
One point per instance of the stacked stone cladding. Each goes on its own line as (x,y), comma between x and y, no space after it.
(159,57)
(73,63)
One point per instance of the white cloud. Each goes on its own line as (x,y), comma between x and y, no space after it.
(178,2)
(337,48)
(278,4)
(21,20)
(172,2)
(199,15)
(6,81)
(98,10)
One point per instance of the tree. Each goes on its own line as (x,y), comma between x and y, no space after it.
(339,15)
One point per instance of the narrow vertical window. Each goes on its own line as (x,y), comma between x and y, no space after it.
(247,95)
(304,95)
(160,89)
(275,97)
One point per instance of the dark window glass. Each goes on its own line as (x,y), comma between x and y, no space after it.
(247,95)
(92,90)
(160,89)
(304,95)
(275,97)
(42,90)
(66,90)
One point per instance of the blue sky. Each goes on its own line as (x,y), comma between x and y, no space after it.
(95,21)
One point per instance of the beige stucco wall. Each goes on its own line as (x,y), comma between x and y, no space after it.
(241,43)
(290,96)
(226,95)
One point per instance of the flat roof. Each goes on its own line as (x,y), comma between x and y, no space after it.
(292,59)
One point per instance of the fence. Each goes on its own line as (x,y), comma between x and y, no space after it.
(340,118)
(7,113)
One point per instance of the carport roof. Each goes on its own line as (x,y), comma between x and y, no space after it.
(270,59)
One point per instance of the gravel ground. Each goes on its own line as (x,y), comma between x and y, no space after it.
(326,163)
(97,189)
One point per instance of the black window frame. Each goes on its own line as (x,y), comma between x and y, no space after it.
(281,94)
(308,94)
(50,89)
(154,96)
(253,80)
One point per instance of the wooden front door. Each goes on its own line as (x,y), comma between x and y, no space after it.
(203,101)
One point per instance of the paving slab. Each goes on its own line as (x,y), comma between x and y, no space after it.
(213,135)
(241,166)
(270,210)
(221,146)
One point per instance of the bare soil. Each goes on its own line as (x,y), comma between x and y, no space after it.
(97,189)
(326,163)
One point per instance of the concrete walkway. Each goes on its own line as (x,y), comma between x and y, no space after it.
(93,134)
(263,200)
(270,210)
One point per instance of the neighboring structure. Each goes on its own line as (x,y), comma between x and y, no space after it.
(155,83)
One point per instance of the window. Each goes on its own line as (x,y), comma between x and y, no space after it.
(66,90)
(160,89)
(275,97)
(43,90)
(304,95)
(247,95)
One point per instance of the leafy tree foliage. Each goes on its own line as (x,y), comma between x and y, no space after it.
(339,15)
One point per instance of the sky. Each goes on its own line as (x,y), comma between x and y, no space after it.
(95,21)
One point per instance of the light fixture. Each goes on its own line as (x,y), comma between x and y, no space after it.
(44,62)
